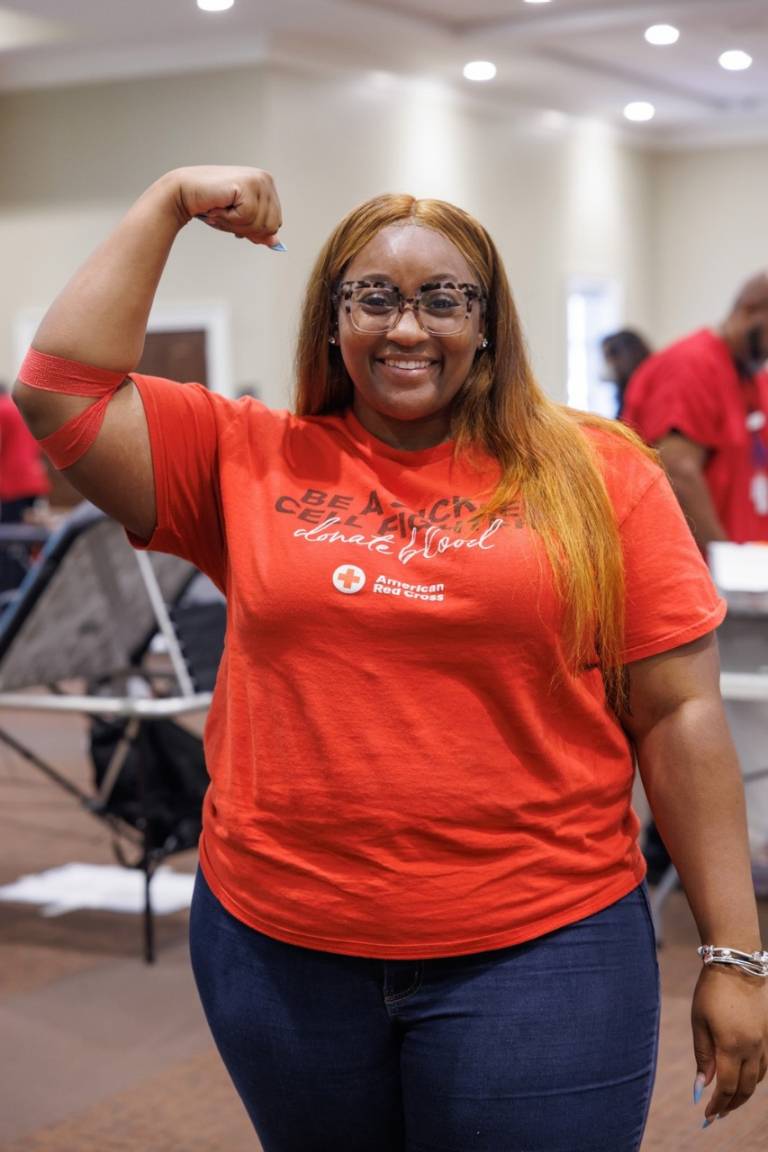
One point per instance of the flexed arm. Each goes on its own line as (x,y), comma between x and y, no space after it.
(101,316)
(100,319)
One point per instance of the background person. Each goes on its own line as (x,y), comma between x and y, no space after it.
(420,899)
(23,478)
(623,352)
(703,402)
(23,484)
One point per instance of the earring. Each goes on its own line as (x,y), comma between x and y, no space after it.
(484,343)
(331,339)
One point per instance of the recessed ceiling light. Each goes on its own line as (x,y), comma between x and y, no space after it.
(215,5)
(639,110)
(537,1)
(735,60)
(479,70)
(662,34)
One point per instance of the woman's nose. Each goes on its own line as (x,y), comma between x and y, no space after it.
(407,325)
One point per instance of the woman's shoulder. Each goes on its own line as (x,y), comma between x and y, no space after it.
(281,424)
(628,466)
(248,409)
(177,400)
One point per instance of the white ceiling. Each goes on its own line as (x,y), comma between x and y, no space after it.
(577,57)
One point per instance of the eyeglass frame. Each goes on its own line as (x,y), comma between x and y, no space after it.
(342,293)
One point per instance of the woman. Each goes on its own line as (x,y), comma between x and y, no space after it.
(420,920)
(23,479)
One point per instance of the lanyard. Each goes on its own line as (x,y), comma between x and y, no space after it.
(755,424)
(758,488)
(756,427)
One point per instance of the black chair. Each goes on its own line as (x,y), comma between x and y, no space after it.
(132,640)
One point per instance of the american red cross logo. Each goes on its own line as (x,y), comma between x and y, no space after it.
(348,578)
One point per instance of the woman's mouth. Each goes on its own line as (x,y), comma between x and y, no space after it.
(407,365)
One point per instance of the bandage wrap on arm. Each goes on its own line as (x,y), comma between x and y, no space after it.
(67,444)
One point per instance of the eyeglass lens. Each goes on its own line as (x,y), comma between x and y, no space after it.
(440,310)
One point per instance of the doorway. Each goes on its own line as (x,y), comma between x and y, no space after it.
(177,355)
(593,309)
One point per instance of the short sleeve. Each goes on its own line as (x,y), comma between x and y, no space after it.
(670,596)
(667,394)
(183,433)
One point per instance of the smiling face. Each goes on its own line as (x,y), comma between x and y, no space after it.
(405,380)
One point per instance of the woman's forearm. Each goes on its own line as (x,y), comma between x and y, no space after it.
(101,315)
(693,783)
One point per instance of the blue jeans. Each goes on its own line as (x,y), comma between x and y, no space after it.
(548,1046)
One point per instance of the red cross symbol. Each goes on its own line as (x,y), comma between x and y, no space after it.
(349,579)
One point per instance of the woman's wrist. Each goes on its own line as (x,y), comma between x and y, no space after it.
(742,941)
(753,963)
(164,200)
(730,920)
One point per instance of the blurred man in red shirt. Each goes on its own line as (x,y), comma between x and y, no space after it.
(703,402)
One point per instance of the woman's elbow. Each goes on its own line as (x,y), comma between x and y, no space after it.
(44,412)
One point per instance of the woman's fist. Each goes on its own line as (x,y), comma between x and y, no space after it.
(242,201)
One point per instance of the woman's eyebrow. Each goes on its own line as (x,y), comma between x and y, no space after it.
(433,279)
(375,277)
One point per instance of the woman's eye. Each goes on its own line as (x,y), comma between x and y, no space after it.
(378,301)
(442,302)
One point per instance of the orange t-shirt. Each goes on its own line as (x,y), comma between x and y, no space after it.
(401,764)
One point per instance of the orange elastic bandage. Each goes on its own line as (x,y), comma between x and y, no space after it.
(52,374)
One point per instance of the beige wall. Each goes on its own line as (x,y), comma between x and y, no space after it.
(563,200)
(74,159)
(710,217)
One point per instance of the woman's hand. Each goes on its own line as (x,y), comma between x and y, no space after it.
(242,201)
(730,1036)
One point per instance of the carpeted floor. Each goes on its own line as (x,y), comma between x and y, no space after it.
(101,1053)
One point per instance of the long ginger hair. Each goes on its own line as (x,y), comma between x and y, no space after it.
(545,459)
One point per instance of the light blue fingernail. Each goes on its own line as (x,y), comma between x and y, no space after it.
(279,247)
(707,1123)
(698,1089)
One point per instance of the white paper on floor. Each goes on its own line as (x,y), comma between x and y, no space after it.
(106,887)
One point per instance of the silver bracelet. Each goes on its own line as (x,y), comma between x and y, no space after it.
(755,963)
